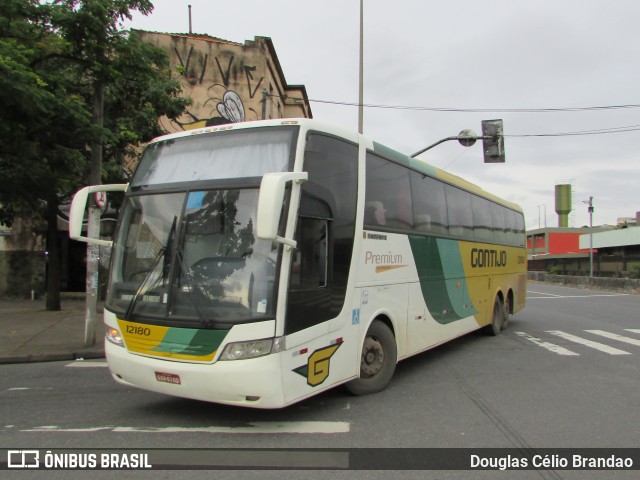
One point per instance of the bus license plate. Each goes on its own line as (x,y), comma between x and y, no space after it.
(168,378)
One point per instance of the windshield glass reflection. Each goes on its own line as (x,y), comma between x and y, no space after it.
(193,256)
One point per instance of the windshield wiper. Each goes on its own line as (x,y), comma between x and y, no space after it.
(187,276)
(141,289)
(163,253)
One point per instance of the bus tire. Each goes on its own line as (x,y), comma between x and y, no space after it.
(506,309)
(378,360)
(497,319)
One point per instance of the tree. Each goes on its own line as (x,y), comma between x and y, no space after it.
(44,121)
(35,100)
(67,82)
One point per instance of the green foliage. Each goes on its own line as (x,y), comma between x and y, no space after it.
(555,270)
(52,56)
(56,58)
(41,147)
(140,93)
(634,269)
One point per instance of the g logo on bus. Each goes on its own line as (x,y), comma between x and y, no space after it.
(317,368)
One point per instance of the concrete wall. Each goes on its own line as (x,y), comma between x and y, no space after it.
(22,259)
(21,273)
(618,284)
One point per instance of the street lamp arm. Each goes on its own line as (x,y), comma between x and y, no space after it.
(436,144)
(492,141)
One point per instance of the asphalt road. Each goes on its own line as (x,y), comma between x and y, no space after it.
(565,374)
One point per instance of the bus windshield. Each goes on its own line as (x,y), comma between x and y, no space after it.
(192,256)
(187,255)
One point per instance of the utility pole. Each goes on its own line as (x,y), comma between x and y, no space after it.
(590,210)
(93,227)
(361,81)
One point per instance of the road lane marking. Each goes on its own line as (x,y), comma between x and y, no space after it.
(542,293)
(251,428)
(82,364)
(546,345)
(550,296)
(615,336)
(633,330)
(583,341)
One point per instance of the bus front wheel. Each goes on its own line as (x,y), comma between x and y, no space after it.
(378,360)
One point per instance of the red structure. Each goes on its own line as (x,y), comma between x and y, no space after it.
(557,247)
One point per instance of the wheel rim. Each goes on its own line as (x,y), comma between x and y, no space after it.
(372,357)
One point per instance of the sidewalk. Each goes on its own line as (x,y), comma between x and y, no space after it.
(30,333)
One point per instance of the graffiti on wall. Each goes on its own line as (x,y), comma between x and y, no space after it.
(213,86)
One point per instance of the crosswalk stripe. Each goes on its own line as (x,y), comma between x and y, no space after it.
(549,346)
(615,336)
(633,330)
(583,341)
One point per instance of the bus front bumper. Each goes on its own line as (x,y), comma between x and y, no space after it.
(253,383)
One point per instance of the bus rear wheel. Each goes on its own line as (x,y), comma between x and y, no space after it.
(507,312)
(497,319)
(378,360)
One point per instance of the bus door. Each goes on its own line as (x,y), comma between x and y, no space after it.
(320,267)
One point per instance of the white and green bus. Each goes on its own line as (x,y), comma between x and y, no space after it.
(258,264)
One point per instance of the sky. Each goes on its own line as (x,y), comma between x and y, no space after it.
(540,66)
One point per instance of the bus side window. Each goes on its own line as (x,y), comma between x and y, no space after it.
(429,205)
(499,223)
(459,212)
(387,202)
(482,219)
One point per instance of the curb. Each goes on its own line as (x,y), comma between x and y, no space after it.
(52,357)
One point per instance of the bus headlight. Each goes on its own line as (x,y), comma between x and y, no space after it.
(252,349)
(113,335)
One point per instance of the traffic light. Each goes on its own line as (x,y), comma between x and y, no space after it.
(493,141)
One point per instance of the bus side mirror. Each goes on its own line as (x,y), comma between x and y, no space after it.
(79,205)
(270,203)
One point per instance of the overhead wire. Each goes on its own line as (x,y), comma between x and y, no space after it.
(481,110)
(600,131)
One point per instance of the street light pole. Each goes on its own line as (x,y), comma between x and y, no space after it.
(538,216)
(591,236)
(361,80)
(590,210)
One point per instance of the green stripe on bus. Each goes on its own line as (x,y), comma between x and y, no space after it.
(404,159)
(442,277)
(196,342)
